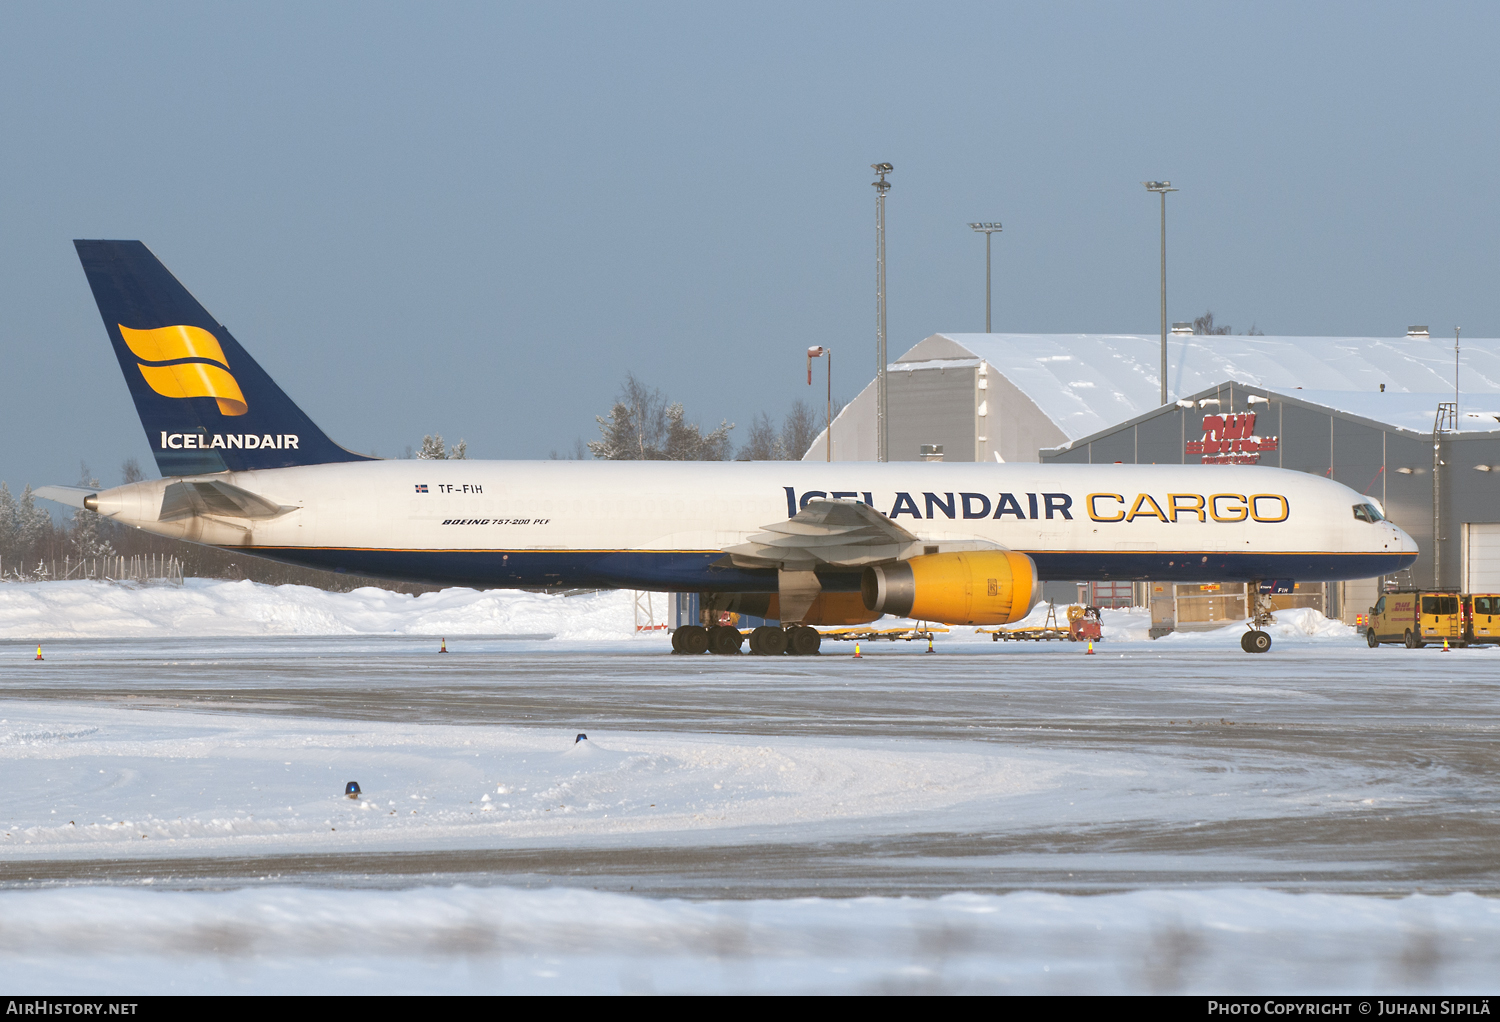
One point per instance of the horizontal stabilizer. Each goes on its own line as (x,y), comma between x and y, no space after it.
(69,495)
(213,497)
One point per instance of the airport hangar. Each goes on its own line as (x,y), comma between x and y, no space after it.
(1361,410)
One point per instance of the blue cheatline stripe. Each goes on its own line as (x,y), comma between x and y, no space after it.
(696,571)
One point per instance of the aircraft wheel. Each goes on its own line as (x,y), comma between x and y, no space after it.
(1370,638)
(677,640)
(692,639)
(725,640)
(773,642)
(1255,642)
(804,641)
(1412,641)
(759,639)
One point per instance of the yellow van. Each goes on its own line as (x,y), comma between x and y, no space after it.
(1415,618)
(1484,609)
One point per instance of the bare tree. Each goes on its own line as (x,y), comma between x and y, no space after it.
(800,428)
(1204,324)
(580,452)
(762,442)
(791,442)
(130,472)
(644,426)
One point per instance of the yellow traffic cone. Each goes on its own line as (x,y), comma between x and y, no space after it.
(38,652)
(856,652)
(1090,650)
(1445,647)
(445,647)
(929,643)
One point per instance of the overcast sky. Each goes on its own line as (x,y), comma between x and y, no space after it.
(474,219)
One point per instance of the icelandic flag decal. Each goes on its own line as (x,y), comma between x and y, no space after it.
(421,487)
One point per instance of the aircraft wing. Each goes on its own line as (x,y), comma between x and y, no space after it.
(838,533)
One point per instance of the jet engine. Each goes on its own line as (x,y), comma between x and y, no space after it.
(982,587)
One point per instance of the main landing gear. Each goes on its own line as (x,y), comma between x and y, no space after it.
(1256,640)
(799,640)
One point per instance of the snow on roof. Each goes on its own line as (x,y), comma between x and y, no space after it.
(1478,413)
(1086,383)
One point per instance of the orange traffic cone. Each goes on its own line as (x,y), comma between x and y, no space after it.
(1445,648)
(1090,650)
(39,652)
(929,643)
(445,647)
(856,652)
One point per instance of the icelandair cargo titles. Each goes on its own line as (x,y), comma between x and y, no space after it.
(800,542)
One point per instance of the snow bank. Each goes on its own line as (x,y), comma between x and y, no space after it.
(505,940)
(210,607)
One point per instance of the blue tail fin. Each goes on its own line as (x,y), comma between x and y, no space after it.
(206,405)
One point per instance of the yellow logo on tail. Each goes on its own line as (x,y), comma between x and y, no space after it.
(207,375)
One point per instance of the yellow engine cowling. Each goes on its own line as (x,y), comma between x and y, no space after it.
(982,587)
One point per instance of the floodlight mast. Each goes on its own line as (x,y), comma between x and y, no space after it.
(987,229)
(1162,188)
(882,447)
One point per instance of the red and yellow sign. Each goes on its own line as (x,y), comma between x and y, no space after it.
(1231,440)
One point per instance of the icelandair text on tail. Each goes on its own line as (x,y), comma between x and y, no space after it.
(248,441)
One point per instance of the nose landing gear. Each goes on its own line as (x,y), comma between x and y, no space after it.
(1256,640)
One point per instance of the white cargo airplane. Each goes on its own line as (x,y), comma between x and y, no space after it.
(800,542)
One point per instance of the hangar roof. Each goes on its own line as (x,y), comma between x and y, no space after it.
(1086,383)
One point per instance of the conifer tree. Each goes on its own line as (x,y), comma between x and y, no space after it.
(88,539)
(10,518)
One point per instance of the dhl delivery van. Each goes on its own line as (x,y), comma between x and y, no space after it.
(1416,617)
(1483,617)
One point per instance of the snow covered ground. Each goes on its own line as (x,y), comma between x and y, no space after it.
(151,756)
(110,782)
(494,940)
(214,608)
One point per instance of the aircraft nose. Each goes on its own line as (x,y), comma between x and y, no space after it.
(1408,545)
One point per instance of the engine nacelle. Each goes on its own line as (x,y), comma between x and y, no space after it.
(980,587)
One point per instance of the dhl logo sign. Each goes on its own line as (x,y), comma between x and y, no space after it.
(1231,439)
(185,361)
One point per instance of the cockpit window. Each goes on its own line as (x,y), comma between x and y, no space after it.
(1368,513)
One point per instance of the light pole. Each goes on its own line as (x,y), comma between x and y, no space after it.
(882,452)
(988,229)
(1162,188)
(813,353)
(1456,331)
